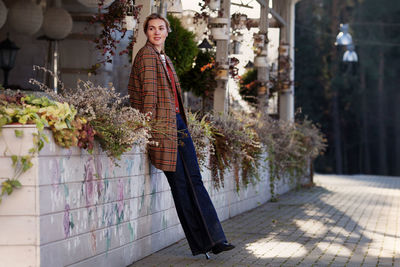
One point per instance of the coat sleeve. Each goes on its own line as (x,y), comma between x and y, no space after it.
(147,66)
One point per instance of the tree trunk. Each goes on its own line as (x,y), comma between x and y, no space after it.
(337,133)
(397,139)
(335,101)
(382,158)
(364,148)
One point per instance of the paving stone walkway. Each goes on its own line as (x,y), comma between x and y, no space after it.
(343,221)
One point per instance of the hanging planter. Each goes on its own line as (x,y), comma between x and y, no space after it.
(236,44)
(3,13)
(129,23)
(237,37)
(259,40)
(115,19)
(57,23)
(95,3)
(262,90)
(25,17)
(236,47)
(214,5)
(261,60)
(175,6)
(238,21)
(222,73)
(219,28)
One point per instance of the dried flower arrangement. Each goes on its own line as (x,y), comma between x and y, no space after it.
(201,132)
(290,147)
(239,142)
(230,144)
(236,146)
(117,127)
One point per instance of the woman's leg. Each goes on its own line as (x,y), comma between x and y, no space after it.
(195,209)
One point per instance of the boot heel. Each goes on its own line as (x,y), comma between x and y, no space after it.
(207,256)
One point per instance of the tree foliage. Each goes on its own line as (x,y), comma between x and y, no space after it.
(248,86)
(180,46)
(200,79)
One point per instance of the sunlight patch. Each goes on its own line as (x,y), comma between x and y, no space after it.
(272,248)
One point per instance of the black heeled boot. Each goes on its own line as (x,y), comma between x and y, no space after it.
(221,247)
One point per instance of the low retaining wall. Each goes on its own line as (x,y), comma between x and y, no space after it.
(77,209)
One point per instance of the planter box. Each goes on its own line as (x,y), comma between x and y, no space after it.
(77,209)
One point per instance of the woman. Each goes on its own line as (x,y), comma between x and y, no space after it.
(154,87)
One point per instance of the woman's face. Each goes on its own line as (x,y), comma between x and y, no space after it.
(157,32)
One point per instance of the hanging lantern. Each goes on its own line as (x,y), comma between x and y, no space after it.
(219,28)
(57,23)
(344,37)
(95,3)
(26,17)
(3,13)
(214,5)
(8,53)
(350,55)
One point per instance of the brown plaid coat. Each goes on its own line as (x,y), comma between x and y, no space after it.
(150,90)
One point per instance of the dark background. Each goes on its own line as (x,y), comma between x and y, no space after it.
(356,104)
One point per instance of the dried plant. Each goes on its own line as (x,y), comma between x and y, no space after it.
(202,136)
(117,127)
(236,146)
(237,141)
(290,147)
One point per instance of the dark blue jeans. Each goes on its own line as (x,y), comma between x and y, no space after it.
(196,212)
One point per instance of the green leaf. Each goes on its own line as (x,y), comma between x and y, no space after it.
(3,121)
(26,163)
(14,159)
(68,123)
(40,144)
(15,183)
(8,187)
(45,138)
(19,133)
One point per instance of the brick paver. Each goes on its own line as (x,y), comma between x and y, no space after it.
(343,221)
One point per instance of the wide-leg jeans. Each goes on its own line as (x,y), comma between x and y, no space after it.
(195,210)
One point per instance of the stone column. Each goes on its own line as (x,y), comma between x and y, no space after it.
(141,37)
(222,60)
(285,8)
(263,72)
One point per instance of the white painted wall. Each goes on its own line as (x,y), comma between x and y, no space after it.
(67,215)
